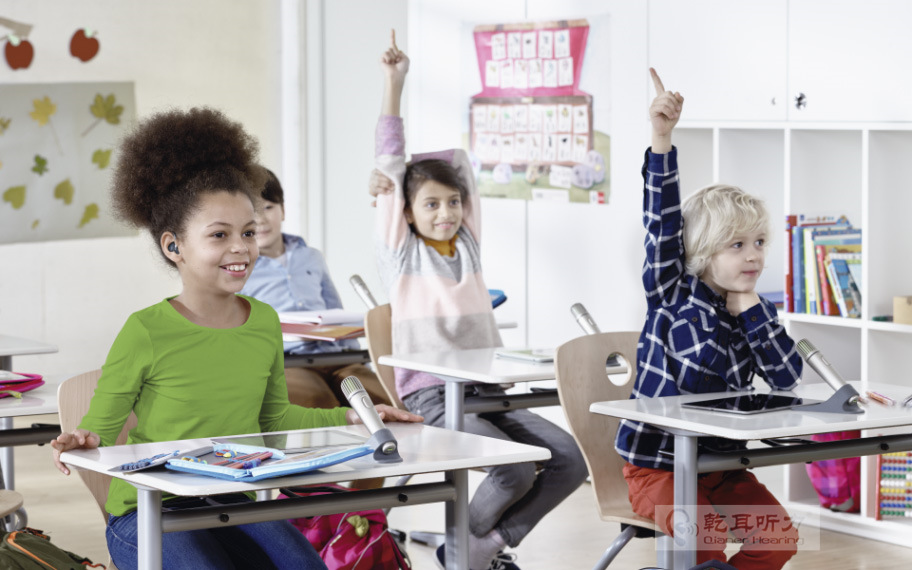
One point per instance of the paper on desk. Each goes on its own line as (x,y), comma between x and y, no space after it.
(324,317)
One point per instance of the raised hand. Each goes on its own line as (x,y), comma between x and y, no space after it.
(664,113)
(66,441)
(394,61)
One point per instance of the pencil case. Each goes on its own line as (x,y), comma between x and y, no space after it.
(15,387)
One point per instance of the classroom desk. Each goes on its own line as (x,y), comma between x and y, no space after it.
(688,424)
(424,449)
(480,365)
(11,346)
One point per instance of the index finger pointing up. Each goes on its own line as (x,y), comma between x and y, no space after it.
(660,88)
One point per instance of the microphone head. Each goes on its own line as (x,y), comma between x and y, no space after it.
(350,386)
(578,310)
(356,280)
(806,349)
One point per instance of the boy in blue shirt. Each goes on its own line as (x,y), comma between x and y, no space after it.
(291,276)
(706,330)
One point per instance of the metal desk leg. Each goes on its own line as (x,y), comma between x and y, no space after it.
(454,418)
(685,498)
(7,466)
(457,522)
(149,528)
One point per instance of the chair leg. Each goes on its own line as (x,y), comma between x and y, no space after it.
(615,547)
(664,551)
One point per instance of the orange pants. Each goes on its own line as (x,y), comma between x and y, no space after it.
(727,501)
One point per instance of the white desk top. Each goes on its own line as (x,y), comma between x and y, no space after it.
(472,365)
(667,413)
(41,400)
(424,449)
(14,346)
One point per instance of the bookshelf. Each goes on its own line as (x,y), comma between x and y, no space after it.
(826,168)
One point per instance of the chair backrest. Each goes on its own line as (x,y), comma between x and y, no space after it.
(378,329)
(73,399)
(582,380)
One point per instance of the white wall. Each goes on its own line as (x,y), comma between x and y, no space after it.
(225,54)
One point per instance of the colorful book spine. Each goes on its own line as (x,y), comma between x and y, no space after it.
(788,301)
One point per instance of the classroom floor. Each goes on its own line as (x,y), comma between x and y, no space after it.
(572,537)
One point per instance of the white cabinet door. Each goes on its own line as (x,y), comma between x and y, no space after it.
(849,60)
(728,59)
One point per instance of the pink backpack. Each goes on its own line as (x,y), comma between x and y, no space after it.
(837,481)
(349,541)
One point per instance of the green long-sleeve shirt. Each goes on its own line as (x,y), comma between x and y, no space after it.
(186,381)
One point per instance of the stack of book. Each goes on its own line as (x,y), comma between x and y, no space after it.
(823,268)
(327,325)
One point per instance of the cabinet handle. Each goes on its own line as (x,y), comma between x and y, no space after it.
(773,101)
(800,101)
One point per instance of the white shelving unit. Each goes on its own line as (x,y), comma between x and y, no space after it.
(827,168)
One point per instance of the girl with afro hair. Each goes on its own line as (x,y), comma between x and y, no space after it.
(207,362)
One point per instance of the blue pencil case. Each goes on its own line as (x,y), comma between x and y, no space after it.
(237,462)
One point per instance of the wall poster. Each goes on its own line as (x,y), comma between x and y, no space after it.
(531,128)
(58,144)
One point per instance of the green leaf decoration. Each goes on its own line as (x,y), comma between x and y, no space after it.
(102,158)
(107,108)
(89,214)
(15,196)
(64,191)
(44,108)
(35,224)
(40,165)
(4,124)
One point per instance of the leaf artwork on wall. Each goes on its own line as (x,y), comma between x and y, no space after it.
(44,109)
(89,214)
(40,165)
(15,196)
(64,191)
(102,158)
(104,109)
(57,162)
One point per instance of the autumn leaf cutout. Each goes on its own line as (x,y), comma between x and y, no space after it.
(44,109)
(102,158)
(64,191)
(104,109)
(40,165)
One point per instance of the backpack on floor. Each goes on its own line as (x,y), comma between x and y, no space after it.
(837,481)
(30,549)
(358,540)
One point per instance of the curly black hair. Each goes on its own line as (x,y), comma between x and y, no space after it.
(168,161)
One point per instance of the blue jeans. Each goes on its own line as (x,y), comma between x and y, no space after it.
(267,545)
(512,498)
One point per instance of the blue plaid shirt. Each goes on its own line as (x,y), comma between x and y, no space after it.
(690,343)
(301,284)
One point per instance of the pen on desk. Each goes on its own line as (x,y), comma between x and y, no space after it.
(880,398)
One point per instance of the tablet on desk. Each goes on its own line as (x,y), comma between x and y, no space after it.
(527,354)
(750,404)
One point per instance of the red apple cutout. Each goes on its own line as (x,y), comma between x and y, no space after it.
(84,45)
(18,52)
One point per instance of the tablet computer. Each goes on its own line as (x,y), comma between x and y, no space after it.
(527,354)
(750,403)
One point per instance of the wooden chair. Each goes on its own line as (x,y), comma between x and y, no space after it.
(378,331)
(582,380)
(10,503)
(73,399)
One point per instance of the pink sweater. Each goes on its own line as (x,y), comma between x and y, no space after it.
(438,302)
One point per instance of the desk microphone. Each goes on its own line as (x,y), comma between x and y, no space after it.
(362,291)
(584,319)
(382,438)
(822,367)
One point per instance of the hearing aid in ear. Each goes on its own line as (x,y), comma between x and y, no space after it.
(172,247)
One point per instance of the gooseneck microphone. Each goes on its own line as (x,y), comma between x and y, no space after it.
(362,291)
(821,366)
(382,439)
(584,319)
